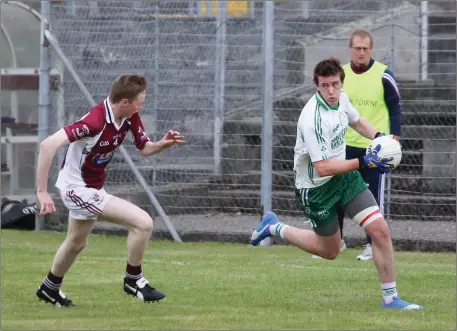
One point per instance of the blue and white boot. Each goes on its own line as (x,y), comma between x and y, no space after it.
(398,303)
(262,230)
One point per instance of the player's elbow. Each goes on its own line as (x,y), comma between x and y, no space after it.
(47,144)
(53,142)
(143,152)
(150,148)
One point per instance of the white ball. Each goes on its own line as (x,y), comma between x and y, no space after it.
(390,147)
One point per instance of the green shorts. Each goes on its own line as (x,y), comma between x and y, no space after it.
(319,203)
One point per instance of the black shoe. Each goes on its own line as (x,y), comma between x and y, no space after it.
(142,290)
(57,298)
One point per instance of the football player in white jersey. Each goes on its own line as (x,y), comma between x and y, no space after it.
(92,141)
(325,179)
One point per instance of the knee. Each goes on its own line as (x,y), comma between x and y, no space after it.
(378,230)
(331,255)
(76,245)
(145,223)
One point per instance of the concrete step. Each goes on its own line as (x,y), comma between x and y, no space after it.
(283,180)
(442,42)
(421,184)
(423,207)
(429,132)
(242,158)
(190,87)
(443,70)
(200,199)
(414,113)
(441,24)
(242,145)
(417,93)
(441,52)
(444,74)
(421,118)
(285,132)
(160,174)
(445,58)
(412,144)
(316,24)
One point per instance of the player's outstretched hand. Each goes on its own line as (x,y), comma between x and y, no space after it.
(172,138)
(372,160)
(47,205)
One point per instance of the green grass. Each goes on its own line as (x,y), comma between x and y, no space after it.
(221,286)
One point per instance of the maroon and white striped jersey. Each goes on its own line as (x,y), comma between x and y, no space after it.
(93,141)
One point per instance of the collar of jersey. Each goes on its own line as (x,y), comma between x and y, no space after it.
(321,101)
(110,115)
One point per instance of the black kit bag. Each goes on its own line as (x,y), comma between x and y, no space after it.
(18,214)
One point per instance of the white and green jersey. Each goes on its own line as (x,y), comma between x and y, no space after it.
(320,135)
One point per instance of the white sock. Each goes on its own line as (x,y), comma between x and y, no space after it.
(278,229)
(389,291)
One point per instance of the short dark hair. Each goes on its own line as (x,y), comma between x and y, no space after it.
(362,34)
(128,87)
(327,68)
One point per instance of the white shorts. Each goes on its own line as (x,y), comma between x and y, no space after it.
(84,203)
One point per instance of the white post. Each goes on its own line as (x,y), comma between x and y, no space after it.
(268,116)
(219,77)
(424,40)
(60,104)
(44,95)
(305,9)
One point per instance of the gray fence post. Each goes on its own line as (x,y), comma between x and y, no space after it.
(219,77)
(267,118)
(424,40)
(44,93)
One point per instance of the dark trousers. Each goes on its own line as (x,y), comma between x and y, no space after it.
(371,176)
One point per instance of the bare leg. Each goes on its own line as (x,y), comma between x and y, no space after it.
(78,232)
(309,241)
(364,210)
(138,222)
(76,241)
(383,252)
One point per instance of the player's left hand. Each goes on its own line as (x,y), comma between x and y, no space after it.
(171,138)
(373,160)
(46,203)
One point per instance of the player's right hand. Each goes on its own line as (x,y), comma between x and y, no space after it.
(372,160)
(47,205)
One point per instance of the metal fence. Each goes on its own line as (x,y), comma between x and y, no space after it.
(233,76)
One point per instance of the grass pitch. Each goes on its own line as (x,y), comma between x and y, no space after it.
(221,286)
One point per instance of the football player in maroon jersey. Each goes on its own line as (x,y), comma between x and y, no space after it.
(92,141)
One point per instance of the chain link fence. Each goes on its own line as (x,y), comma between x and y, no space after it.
(204,62)
(420,50)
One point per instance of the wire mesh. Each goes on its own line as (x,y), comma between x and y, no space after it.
(175,45)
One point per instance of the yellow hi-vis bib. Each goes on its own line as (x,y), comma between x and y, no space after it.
(366,94)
